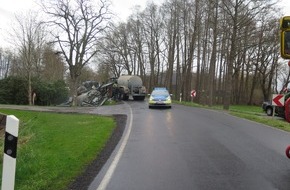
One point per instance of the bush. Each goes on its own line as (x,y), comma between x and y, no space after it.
(13,90)
(50,93)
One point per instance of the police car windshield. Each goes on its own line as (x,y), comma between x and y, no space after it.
(160,92)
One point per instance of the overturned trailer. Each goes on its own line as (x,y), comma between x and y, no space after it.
(90,93)
(96,96)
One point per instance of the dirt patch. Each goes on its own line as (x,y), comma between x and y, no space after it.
(2,121)
(83,181)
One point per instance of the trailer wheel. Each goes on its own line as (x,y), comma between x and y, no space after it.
(288,152)
(125,97)
(269,111)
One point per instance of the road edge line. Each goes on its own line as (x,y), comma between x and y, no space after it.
(106,179)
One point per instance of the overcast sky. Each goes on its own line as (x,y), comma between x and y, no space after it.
(8,9)
(122,8)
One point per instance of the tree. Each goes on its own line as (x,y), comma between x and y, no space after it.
(6,57)
(29,40)
(239,14)
(283,74)
(212,65)
(148,35)
(53,66)
(268,61)
(224,49)
(78,25)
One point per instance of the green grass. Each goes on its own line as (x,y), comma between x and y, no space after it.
(54,148)
(253,113)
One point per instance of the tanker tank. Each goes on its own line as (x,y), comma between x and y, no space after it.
(131,85)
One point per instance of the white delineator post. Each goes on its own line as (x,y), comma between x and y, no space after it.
(10,150)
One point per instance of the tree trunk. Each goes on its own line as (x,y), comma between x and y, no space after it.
(230,63)
(29,93)
(212,66)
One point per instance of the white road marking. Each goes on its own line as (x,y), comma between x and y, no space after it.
(105,181)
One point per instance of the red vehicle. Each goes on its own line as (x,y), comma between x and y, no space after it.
(287,117)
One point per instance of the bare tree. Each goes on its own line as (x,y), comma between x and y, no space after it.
(172,26)
(212,64)
(29,38)
(6,58)
(79,25)
(239,14)
(118,50)
(53,66)
(152,24)
(282,76)
(269,57)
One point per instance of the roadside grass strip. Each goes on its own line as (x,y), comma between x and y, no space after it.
(54,148)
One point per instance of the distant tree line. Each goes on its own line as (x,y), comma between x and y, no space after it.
(227,51)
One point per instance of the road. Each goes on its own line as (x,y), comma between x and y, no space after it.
(187,148)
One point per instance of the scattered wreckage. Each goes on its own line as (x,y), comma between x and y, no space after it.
(91,93)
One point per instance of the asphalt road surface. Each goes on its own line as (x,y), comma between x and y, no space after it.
(187,148)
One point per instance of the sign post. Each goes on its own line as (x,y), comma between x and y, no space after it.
(10,149)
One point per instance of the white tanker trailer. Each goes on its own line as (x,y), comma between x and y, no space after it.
(131,85)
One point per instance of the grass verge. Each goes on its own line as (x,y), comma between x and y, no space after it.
(54,148)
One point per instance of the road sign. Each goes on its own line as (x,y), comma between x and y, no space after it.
(278,100)
(193,93)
